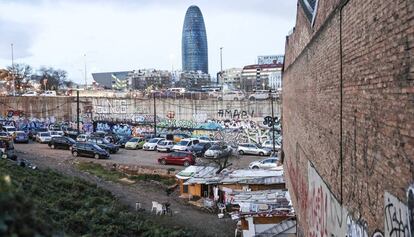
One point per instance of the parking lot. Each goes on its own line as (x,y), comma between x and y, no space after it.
(123,156)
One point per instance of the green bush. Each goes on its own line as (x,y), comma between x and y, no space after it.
(44,203)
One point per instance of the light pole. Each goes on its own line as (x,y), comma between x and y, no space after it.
(13,74)
(221,72)
(273,122)
(86,82)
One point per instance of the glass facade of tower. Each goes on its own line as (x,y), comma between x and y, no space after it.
(194,41)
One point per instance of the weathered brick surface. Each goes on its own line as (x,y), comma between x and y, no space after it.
(377,106)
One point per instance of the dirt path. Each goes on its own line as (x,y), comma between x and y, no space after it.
(203,224)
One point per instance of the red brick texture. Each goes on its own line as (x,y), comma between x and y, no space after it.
(348,105)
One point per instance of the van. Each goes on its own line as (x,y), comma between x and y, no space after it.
(177,90)
(48,93)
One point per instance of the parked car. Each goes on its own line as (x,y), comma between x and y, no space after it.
(200,148)
(259,95)
(135,143)
(152,144)
(4,135)
(48,93)
(185,144)
(61,142)
(30,93)
(250,148)
(89,150)
(218,151)
(56,133)
(269,144)
(123,140)
(165,146)
(269,163)
(21,137)
(33,133)
(178,158)
(82,138)
(10,130)
(104,144)
(232,95)
(43,137)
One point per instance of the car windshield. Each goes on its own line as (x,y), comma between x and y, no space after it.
(71,140)
(200,145)
(11,129)
(215,147)
(96,147)
(163,143)
(45,134)
(183,143)
(153,140)
(134,139)
(3,134)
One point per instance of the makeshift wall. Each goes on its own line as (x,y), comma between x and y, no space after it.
(178,111)
(348,118)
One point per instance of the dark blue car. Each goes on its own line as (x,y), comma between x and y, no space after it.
(21,137)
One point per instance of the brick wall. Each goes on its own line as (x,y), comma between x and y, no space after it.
(348,117)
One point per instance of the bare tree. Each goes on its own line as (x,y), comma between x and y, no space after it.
(21,74)
(53,78)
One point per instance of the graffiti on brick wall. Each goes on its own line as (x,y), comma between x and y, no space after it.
(410,205)
(118,110)
(397,219)
(200,117)
(172,123)
(235,114)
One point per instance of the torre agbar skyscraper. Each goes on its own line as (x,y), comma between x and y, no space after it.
(194,41)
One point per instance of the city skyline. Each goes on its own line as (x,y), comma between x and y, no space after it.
(127,35)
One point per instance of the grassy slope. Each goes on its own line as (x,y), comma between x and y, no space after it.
(47,203)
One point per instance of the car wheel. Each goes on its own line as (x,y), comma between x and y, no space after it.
(235,98)
(255,167)
(96,156)
(168,149)
(241,152)
(52,146)
(186,163)
(163,162)
(75,154)
(261,154)
(252,98)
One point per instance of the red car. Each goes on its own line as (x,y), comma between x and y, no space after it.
(178,158)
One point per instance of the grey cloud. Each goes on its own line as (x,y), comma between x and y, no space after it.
(18,34)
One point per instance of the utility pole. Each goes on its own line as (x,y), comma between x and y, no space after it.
(221,64)
(155,117)
(77,109)
(273,122)
(13,71)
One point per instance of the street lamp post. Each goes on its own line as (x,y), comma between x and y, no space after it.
(273,121)
(13,71)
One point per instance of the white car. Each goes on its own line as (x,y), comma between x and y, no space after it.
(250,148)
(9,129)
(43,137)
(218,151)
(269,163)
(269,144)
(56,133)
(165,146)
(82,138)
(48,93)
(260,95)
(30,93)
(232,95)
(185,144)
(152,144)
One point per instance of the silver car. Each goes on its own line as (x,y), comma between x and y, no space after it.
(165,146)
(250,148)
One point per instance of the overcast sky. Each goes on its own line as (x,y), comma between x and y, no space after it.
(133,34)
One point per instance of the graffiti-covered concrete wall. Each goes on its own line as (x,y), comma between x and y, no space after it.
(348,110)
(136,110)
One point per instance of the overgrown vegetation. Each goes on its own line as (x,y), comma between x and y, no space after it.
(115,176)
(45,203)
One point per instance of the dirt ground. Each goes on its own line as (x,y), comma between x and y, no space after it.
(189,217)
